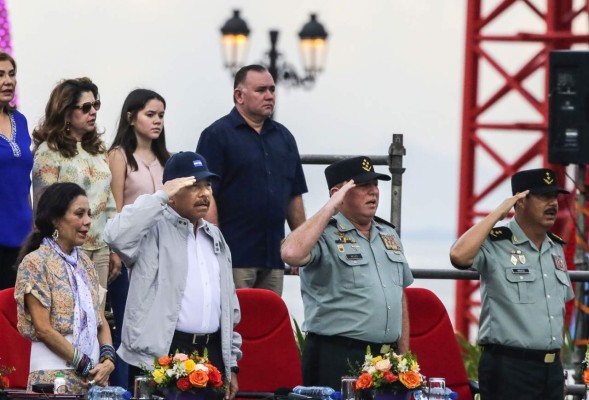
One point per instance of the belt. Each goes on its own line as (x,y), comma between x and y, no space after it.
(545,356)
(196,338)
(355,343)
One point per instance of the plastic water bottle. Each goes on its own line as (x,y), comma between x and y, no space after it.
(108,393)
(321,392)
(59,384)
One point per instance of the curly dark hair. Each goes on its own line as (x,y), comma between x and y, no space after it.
(53,204)
(125,137)
(53,127)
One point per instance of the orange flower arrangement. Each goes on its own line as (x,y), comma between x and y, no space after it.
(185,372)
(586,367)
(390,371)
(4,381)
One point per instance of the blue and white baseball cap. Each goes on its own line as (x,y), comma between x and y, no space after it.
(187,163)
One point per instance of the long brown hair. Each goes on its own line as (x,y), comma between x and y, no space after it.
(125,137)
(53,127)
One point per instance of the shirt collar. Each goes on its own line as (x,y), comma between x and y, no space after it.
(519,237)
(344,225)
(237,121)
(200,224)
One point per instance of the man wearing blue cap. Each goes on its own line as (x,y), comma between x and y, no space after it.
(181,292)
(524,288)
(353,276)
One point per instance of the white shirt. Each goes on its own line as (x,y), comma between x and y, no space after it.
(200,309)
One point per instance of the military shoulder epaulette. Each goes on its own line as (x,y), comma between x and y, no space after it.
(384,221)
(500,233)
(556,238)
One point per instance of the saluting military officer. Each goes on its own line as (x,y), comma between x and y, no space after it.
(353,276)
(524,288)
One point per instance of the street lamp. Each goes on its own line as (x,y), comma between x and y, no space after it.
(313,44)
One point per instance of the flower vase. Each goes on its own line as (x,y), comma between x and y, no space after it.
(391,395)
(188,395)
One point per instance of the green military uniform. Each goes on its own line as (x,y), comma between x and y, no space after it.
(523,290)
(523,295)
(352,289)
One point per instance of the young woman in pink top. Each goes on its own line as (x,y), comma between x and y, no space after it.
(136,158)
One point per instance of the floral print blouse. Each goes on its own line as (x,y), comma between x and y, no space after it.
(90,172)
(43,274)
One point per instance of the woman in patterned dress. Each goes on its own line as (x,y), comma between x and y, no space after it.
(68,148)
(58,296)
(16,161)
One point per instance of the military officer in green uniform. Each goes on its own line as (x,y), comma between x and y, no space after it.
(353,276)
(524,288)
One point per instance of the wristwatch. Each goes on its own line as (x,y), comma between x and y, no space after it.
(235,370)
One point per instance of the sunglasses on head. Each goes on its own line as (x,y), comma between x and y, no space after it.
(85,107)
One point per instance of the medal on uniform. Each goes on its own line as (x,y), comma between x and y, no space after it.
(389,241)
(513,257)
(522,258)
(343,238)
(559,262)
(340,247)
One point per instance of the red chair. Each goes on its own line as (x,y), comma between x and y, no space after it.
(15,350)
(432,339)
(270,356)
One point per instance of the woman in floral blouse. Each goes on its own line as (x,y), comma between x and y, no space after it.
(57,295)
(16,161)
(68,148)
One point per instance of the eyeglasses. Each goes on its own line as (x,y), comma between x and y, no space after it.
(85,107)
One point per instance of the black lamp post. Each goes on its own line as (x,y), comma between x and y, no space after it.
(313,44)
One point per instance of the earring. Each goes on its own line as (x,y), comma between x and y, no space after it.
(55,235)
(67,126)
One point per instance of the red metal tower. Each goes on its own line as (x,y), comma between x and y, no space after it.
(507,43)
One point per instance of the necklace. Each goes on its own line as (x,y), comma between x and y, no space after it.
(12,141)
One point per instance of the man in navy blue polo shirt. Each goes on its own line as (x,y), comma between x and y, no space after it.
(261,183)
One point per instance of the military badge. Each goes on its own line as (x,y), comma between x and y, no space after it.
(389,241)
(343,238)
(340,248)
(559,262)
(520,256)
(513,260)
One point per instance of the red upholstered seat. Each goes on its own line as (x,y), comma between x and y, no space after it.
(15,350)
(432,340)
(270,357)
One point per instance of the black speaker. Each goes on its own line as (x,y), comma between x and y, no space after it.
(568,112)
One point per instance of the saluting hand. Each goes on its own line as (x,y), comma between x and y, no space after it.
(508,203)
(173,186)
(336,200)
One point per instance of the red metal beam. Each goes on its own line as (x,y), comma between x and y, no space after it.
(558,16)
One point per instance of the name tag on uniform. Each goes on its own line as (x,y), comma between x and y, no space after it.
(520,271)
(354,256)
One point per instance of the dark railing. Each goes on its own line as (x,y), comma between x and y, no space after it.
(454,274)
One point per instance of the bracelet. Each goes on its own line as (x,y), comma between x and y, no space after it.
(107,352)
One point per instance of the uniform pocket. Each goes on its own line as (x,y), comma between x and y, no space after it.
(356,270)
(520,286)
(396,270)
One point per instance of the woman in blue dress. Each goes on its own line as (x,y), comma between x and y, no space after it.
(16,162)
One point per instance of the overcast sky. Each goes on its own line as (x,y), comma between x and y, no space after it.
(393,66)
